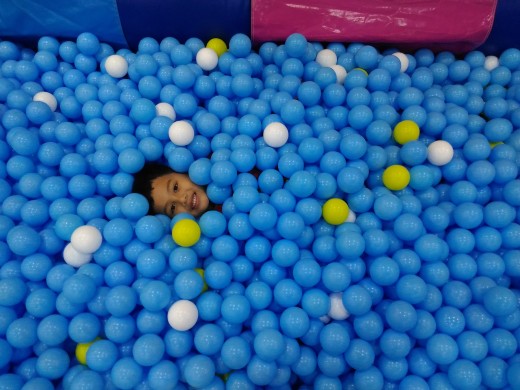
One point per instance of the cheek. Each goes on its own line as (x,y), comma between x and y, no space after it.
(180,209)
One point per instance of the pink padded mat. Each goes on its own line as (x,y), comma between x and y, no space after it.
(456,25)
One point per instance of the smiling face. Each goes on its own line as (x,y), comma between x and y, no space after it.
(175,193)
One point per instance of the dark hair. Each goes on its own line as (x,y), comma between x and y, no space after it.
(144,178)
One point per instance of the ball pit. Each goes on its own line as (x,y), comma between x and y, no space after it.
(369,234)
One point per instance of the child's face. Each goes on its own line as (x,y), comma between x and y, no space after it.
(175,193)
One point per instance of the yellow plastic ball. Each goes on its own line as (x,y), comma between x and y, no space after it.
(218,45)
(82,349)
(362,70)
(335,211)
(493,144)
(200,271)
(406,131)
(225,376)
(186,232)
(396,177)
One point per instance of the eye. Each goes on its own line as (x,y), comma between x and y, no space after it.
(176,187)
(172,209)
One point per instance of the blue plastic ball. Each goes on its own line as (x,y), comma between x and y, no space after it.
(163,374)
(500,301)
(357,300)
(442,349)
(148,350)
(199,371)
(465,374)
(126,373)
(121,300)
(52,363)
(360,354)
(102,355)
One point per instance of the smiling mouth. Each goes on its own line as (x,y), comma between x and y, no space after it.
(194,201)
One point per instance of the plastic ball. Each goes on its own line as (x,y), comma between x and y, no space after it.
(335,211)
(338,310)
(235,309)
(81,351)
(148,350)
(472,346)
(442,349)
(396,177)
(75,258)
(46,98)
(218,45)
(406,131)
(165,109)
(357,300)
(360,354)
(500,301)
(118,232)
(21,333)
(464,373)
(269,344)
(276,134)
(240,45)
(116,66)
(86,239)
(326,58)
(181,133)
(440,153)
(403,59)
(341,73)
(163,375)
(438,306)
(52,363)
(23,240)
(188,284)
(79,289)
(100,355)
(384,271)
(182,315)
(186,232)
(207,58)
(126,373)
(236,352)
(155,295)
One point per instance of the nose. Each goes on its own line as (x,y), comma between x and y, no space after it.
(182,198)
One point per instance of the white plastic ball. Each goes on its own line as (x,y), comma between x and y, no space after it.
(74,258)
(337,309)
(183,315)
(207,58)
(47,98)
(181,133)
(165,109)
(403,58)
(490,63)
(327,58)
(116,66)
(440,152)
(351,216)
(86,239)
(276,134)
(341,73)
(325,319)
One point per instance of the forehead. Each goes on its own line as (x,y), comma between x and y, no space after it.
(174,176)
